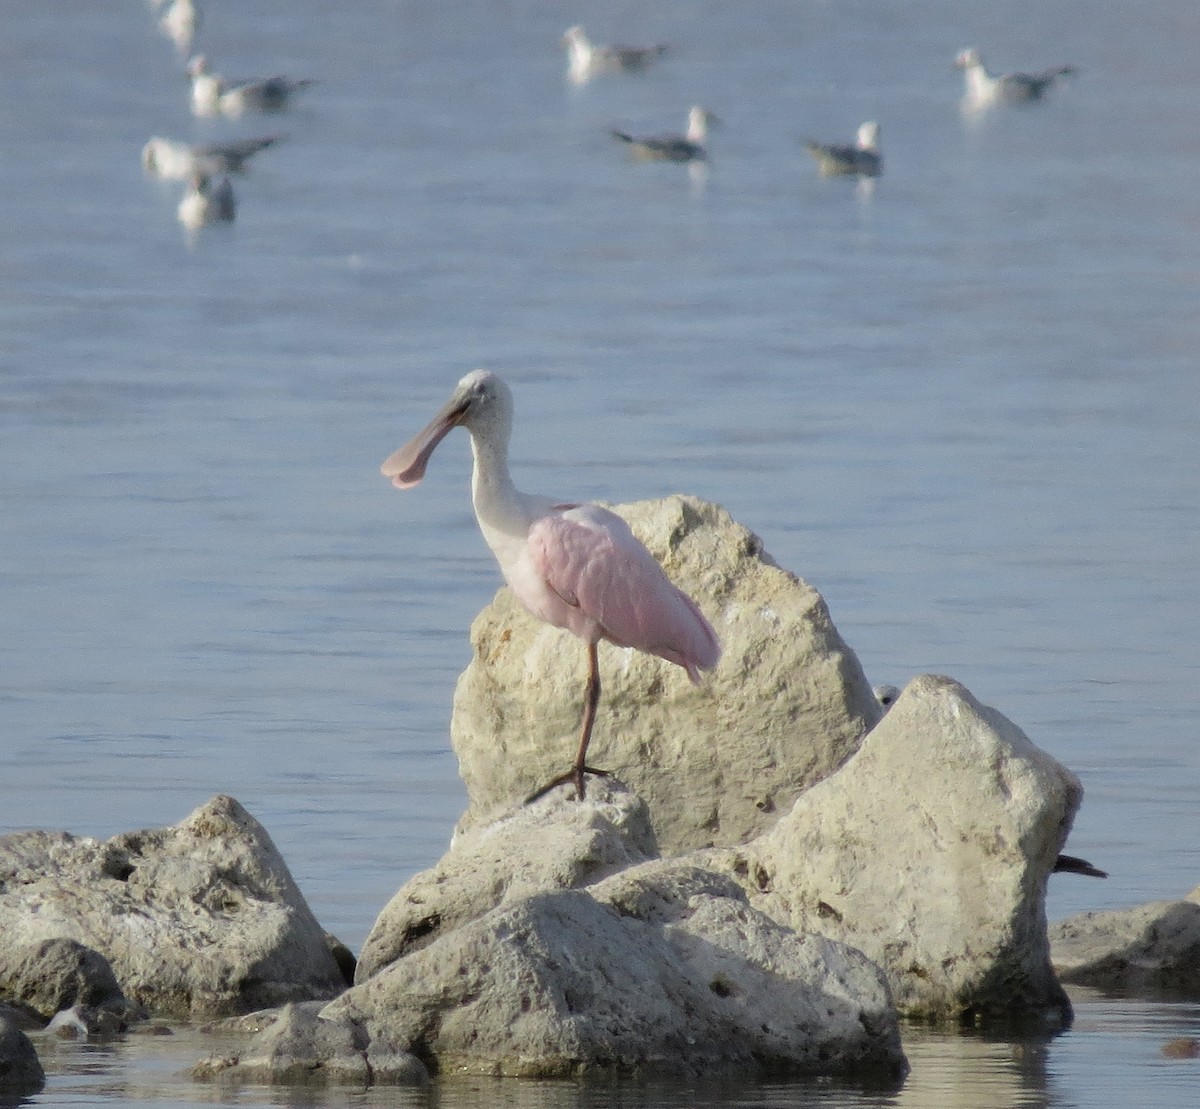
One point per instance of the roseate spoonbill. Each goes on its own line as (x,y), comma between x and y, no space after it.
(862,159)
(984,88)
(586,60)
(673,148)
(576,566)
(177,161)
(212,95)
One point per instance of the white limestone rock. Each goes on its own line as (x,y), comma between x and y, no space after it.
(295,1047)
(554,844)
(201,918)
(929,851)
(1149,949)
(571,982)
(55,974)
(717,764)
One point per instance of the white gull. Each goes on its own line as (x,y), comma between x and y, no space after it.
(178,161)
(180,22)
(212,95)
(984,88)
(673,148)
(585,59)
(861,159)
(205,203)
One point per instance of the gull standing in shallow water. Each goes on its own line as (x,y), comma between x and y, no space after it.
(575,566)
(984,88)
(585,60)
(862,159)
(690,147)
(212,95)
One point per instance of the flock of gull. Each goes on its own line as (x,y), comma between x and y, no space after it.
(861,158)
(209,196)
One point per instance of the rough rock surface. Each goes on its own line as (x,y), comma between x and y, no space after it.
(717,764)
(200,918)
(55,974)
(929,851)
(555,844)
(295,1047)
(1152,948)
(658,968)
(21,1071)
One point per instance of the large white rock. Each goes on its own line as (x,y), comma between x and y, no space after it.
(555,844)
(1148,949)
(929,851)
(787,705)
(542,946)
(201,918)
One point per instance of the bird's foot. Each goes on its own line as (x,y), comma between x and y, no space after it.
(575,775)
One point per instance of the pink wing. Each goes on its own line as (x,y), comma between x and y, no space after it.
(589,557)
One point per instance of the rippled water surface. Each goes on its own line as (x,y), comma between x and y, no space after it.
(964,406)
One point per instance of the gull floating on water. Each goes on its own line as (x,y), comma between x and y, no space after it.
(213,95)
(585,60)
(673,148)
(205,203)
(178,161)
(983,88)
(862,159)
(180,22)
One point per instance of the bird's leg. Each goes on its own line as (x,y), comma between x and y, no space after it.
(591,698)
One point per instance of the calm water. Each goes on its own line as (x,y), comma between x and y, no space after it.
(965,407)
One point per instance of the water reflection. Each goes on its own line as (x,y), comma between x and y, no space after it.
(1112,1055)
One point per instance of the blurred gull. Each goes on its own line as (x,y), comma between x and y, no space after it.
(862,159)
(213,95)
(673,148)
(983,88)
(178,161)
(180,22)
(205,203)
(586,60)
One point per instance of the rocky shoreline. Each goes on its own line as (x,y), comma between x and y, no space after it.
(773,877)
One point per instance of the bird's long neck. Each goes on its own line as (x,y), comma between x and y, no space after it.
(581,51)
(697,131)
(979,79)
(499,507)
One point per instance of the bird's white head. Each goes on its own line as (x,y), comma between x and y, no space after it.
(481,403)
(868,136)
(699,121)
(968,58)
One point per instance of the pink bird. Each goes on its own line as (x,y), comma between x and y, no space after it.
(576,566)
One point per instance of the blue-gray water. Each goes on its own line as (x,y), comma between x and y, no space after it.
(964,406)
